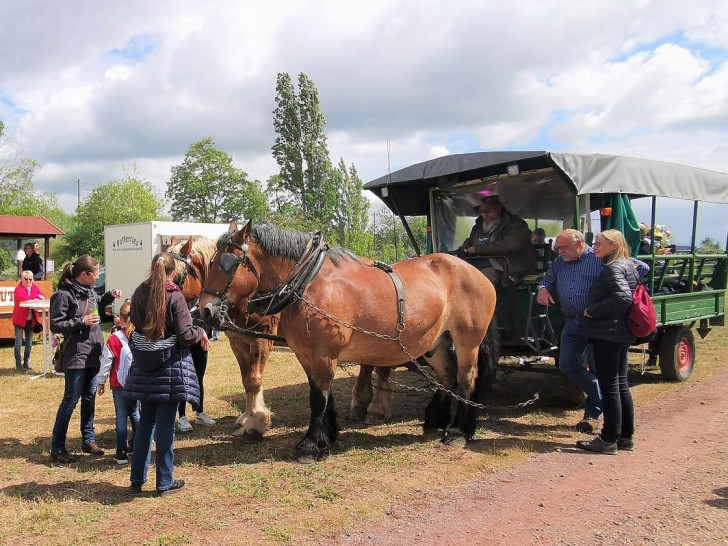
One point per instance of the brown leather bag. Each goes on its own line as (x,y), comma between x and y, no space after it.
(58,356)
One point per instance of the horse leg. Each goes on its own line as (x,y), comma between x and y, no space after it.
(362,393)
(323,428)
(252,356)
(380,410)
(462,429)
(437,413)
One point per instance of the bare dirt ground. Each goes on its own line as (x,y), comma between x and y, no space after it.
(673,489)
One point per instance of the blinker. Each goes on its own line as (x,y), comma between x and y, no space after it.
(228,262)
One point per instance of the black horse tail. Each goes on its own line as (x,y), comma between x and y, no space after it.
(488,355)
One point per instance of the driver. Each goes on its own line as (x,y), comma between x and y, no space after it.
(503,238)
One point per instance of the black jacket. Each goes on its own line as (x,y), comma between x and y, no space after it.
(608,301)
(511,238)
(85,343)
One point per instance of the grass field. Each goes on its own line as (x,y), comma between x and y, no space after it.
(239,493)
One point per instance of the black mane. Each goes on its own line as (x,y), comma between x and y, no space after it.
(287,243)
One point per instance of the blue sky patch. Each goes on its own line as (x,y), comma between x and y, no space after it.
(137,48)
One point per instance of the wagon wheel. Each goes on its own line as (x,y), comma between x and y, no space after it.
(677,353)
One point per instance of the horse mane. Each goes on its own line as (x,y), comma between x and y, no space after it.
(205,247)
(287,243)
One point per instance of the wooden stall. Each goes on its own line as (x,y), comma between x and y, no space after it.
(23,229)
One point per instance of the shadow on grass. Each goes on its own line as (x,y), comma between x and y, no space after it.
(76,490)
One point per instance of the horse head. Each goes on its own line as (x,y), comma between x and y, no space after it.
(228,284)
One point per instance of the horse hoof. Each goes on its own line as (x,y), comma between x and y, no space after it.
(252,436)
(306,459)
(358,414)
(374,419)
(455,440)
(431,434)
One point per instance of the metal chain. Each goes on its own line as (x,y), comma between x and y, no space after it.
(435,384)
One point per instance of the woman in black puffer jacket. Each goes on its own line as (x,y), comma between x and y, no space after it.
(162,374)
(605,325)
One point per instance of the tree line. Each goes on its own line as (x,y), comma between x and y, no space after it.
(309,192)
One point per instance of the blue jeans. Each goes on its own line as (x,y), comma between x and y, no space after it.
(19,330)
(126,410)
(162,415)
(612,370)
(79,384)
(571,364)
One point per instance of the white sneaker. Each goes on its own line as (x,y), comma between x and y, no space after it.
(203,419)
(183,425)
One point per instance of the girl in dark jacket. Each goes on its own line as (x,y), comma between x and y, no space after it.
(74,313)
(162,374)
(605,325)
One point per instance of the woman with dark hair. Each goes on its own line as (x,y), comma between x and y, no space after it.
(605,325)
(163,374)
(74,313)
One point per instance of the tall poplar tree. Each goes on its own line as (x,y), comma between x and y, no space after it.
(300,148)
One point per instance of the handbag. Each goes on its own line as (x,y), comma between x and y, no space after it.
(58,356)
(37,328)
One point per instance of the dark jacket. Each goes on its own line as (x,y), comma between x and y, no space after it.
(172,377)
(85,343)
(34,263)
(608,301)
(511,238)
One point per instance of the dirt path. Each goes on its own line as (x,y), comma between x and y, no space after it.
(672,490)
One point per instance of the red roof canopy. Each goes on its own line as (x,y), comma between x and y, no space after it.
(24,227)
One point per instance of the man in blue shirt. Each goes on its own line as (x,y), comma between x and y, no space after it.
(570,276)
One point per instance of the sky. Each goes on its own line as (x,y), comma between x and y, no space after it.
(92,89)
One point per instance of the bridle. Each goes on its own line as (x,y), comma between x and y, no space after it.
(189,268)
(288,292)
(229,264)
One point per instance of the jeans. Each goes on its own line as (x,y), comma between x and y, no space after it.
(571,364)
(19,330)
(126,410)
(161,415)
(618,406)
(78,384)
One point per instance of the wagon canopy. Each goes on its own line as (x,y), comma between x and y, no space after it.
(406,190)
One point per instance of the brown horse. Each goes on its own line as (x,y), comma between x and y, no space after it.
(193,259)
(349,312)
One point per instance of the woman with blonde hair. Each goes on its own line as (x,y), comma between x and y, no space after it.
(605,325)
(163,374)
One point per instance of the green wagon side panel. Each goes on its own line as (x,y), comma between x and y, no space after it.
(682,308)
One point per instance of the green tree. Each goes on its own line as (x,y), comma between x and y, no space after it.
(300,149)
(352,211)
(206,187)
(125,201)
(710,246)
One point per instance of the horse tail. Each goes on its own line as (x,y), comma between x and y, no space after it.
(488,355)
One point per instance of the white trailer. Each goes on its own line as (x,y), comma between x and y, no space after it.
(129,249)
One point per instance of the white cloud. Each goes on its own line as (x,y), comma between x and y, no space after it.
(92,88)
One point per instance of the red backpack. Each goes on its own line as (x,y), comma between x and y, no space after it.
(641,316)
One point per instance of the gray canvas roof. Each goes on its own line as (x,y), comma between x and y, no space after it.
(585,173)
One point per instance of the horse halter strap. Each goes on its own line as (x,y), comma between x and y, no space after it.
(189,268)
(229,263)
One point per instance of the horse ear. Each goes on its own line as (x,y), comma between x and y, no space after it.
(246,229)
(186,249)
(233,227)
(173,241)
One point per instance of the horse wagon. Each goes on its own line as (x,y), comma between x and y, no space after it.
(565,190)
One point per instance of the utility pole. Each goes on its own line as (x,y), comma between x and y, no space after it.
(78,192)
